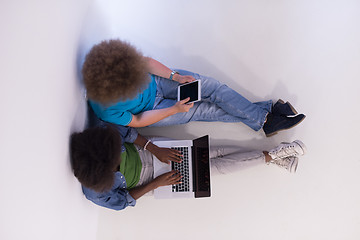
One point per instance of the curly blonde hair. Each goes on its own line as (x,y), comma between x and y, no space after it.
(114,71)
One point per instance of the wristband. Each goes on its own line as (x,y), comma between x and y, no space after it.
(146,144)
(172,74)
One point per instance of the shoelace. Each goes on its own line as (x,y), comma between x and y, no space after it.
(285,150)
(282,162)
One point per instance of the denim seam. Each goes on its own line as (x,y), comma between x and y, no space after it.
(235,110)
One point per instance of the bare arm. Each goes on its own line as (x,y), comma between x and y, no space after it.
(138,192)
(169,178)
(163,154)
(152,116)
(159,69)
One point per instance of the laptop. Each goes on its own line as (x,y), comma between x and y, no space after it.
(194,169)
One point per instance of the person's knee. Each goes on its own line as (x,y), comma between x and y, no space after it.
(209,86)
(187,73)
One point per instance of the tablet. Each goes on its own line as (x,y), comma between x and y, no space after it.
(192,90)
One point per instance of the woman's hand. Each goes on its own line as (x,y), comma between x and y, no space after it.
(165,179)
(183,79)
(166,155)
(168,178)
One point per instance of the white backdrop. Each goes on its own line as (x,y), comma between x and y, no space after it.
(306,52)
(41,104)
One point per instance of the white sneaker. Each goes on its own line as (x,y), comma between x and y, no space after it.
(288,163)
(284,150)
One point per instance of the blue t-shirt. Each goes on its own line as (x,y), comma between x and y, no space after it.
(121,112)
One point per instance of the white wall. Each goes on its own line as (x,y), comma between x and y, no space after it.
(41,103)
(306,52)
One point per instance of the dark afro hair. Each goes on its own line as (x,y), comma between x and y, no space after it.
(114,71)
(95,154)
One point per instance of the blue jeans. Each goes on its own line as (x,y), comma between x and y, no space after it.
(219,103)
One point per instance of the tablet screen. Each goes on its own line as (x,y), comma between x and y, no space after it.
(190,90)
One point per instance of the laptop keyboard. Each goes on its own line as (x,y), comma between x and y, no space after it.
(183,169)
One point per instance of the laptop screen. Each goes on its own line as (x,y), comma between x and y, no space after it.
(201,167)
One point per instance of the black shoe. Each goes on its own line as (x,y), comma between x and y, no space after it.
(276,123)
(282,108)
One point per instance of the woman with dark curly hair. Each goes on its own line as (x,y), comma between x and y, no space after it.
(114,164)
(128,89)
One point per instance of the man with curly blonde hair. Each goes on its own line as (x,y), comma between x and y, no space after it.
(128,89)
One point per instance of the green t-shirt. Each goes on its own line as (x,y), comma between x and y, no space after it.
(130,165)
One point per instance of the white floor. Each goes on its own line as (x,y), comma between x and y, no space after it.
(306,52)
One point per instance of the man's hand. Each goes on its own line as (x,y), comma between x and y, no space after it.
(183,106)
(166,155)
(183,79)
(168,178)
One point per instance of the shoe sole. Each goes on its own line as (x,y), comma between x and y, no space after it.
(294,165)
(272,134)
(281,101)
(291,106)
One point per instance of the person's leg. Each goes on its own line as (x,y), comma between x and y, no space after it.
(201,111)
(235,107)
(166,88)
(252,114)
(227,159)
(220,95)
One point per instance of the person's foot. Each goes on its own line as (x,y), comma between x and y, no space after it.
(282,108)
(284,150)
(288,163)
(275,123)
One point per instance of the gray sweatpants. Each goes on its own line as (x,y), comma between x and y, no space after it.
(223,159)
